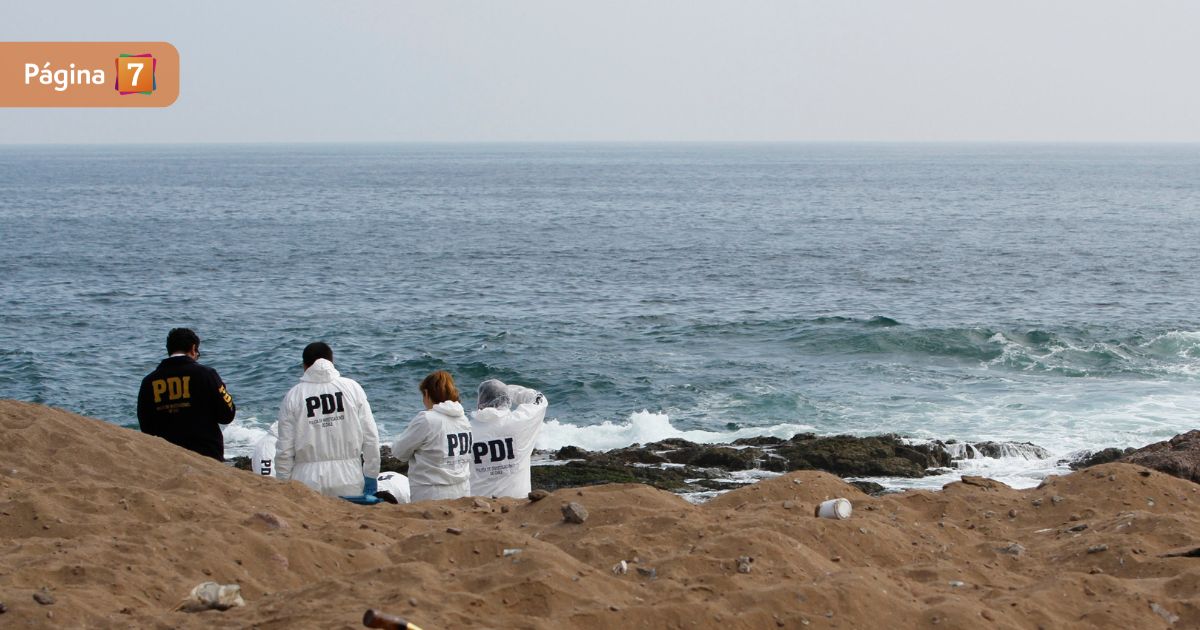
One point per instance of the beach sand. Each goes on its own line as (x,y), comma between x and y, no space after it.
(117,527)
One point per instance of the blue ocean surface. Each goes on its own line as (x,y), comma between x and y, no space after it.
(1019,292)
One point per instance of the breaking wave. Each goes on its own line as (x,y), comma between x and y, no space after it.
(643,427)
(1064,351)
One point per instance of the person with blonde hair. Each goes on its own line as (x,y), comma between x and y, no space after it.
(437,443)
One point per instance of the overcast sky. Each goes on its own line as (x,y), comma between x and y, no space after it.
(641,70)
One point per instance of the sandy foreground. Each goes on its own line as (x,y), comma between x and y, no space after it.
(117,527)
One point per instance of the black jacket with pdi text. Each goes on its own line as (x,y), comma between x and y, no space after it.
(184,403)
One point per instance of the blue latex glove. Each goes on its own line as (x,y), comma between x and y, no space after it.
(370,486)
(364,499)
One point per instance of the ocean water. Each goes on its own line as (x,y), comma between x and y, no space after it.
(973,292)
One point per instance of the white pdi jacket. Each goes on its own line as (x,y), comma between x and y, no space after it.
(327,435)
(264,452)
(503,444)
(397,485)
(437,446)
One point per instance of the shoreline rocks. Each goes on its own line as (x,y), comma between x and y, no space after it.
(681,466)
(1178,456)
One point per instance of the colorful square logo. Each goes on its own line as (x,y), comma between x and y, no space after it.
(135,74)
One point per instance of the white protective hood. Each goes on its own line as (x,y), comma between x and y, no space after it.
(321,371)
(503,444)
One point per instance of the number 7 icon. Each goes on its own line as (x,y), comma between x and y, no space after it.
(132,74)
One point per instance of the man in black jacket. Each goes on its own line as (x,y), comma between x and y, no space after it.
(183,402)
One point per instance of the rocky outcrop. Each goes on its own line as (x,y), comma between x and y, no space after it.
(1178,456)
(601,470)
(712,456)
(387,463)
(678,465)
(996,450)
(849,456)
(707,466)
(1099,457)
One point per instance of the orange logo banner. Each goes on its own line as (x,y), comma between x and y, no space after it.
(88,74)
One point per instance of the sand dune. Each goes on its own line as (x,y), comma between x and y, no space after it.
(117,528)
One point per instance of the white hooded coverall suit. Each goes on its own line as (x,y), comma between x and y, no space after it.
(503,444)
(437,446)
(327,435)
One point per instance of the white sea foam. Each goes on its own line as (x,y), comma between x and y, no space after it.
(1183,343)
(1008,450)
(242,434)
(643,427)
(1017,472)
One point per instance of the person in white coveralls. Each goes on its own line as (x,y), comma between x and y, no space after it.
(437,443)
(327,435)
(263,460)
(504,429)
(392,485)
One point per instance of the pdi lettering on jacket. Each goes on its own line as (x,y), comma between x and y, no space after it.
(460,442)
(499,450)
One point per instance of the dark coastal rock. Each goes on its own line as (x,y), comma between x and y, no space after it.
(1100,457)
(869,487)
(715,456)
(773,462)
(634,455)
(849,456)
(706,466)
(387,463)
(717,483)
(994,450)
(241,462)
(575,474)
(669,444)
(672,450)
(1028,450)
(1178,456)
(759,441)
(571,452)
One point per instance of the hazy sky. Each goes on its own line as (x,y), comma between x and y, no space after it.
(616,70)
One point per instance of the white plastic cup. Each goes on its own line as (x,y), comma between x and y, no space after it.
(838,509)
